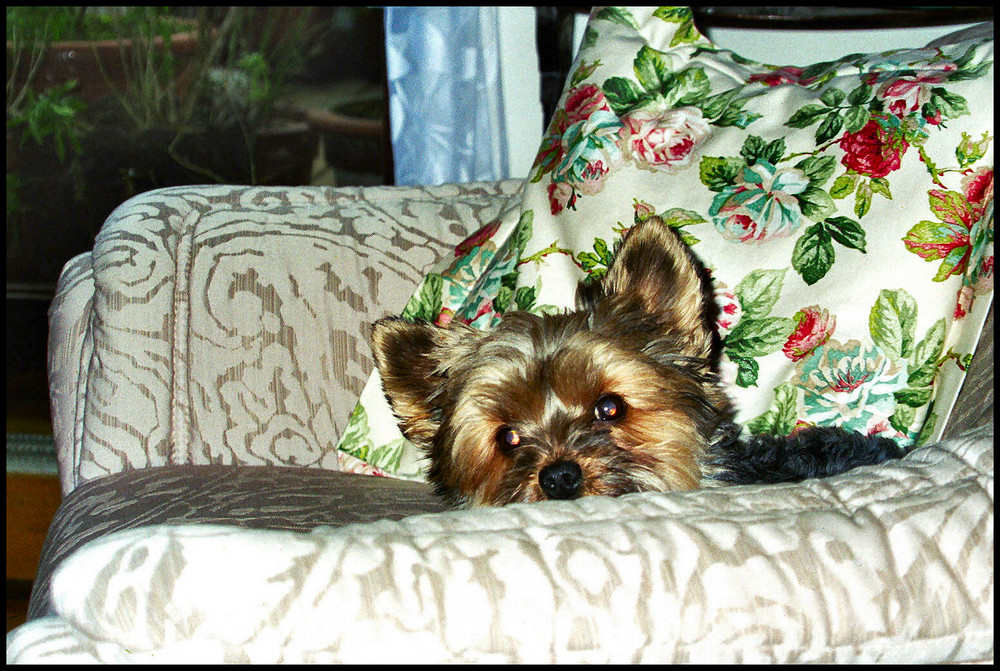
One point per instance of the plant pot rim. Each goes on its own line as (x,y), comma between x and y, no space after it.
(187,34)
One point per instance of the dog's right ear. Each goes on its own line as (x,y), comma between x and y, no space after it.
(412,362)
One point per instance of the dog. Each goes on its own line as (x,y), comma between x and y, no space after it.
(621,394)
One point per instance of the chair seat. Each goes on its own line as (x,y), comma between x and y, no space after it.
(259,497)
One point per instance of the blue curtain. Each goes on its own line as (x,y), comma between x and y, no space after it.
(445,97)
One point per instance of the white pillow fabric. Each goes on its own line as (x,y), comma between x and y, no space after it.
(845,210)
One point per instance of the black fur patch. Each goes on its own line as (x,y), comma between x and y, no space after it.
(816,452)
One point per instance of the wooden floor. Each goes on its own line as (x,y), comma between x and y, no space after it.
(31,499)
(31,503)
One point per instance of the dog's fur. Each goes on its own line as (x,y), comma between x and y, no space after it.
(620,395)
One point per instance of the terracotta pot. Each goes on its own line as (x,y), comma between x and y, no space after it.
(99,65)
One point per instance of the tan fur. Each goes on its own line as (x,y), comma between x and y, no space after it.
(642,335)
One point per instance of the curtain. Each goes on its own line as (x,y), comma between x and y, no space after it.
(445,94)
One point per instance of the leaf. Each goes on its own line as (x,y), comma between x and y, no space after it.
(832,97)
(813,255)
(843,186)
(863,198)
(759,291)
(713,106)
(815,203)
(618,15)
(650,69)
(426,303)
(525,298)
(817,168)
(830,127)
(758,337)
(807,116)
(602,251)
(927,429)
(933,240)
(355,440)
(747,371)
(932,345)
(754,149)
(855,118)
(717,172)
(522,232)
(950,206)
(860,95)
(914,397)
(780,420)
(847,232)
(689,87)
(677,217)
(902,418)
(892,322)
(622,94)
(686,32)
(951,104)
(880,185)
(735,116)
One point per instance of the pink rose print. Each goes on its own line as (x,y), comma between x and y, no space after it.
(659,137)
(785,75)
(874,150)
(909,94)
(561,196)
(582,102)
(814,326)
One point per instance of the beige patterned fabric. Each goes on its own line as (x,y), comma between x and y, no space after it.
(229,325)
(892,563)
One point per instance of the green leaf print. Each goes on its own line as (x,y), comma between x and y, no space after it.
(780,420)
(622,94)
(813,255)
(758,337)
(355,440)
(426,303)
(618,15)
(650,69)
(892,322)
(926,355)
(847,232)
(759,291)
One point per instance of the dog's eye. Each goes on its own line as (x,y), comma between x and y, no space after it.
(609,408)
(508,438)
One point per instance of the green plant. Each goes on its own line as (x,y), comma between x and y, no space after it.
(243,60)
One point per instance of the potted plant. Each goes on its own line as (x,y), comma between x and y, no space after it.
(154,99)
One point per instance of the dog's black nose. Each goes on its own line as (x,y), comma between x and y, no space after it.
(561,480)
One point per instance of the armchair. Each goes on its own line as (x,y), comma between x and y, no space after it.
(204,358)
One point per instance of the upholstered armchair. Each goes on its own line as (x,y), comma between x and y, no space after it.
(204,358)
(208,357)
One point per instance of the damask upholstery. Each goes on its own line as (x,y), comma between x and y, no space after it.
(229,325)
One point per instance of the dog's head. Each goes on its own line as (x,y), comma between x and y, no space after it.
(620,395)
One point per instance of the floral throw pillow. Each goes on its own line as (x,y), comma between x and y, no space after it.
(844,209)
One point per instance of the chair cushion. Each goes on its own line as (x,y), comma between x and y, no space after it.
(843,208)
(258,497)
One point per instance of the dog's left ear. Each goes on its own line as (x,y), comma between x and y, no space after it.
(654,271)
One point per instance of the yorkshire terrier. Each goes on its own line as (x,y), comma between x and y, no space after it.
(620,395)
